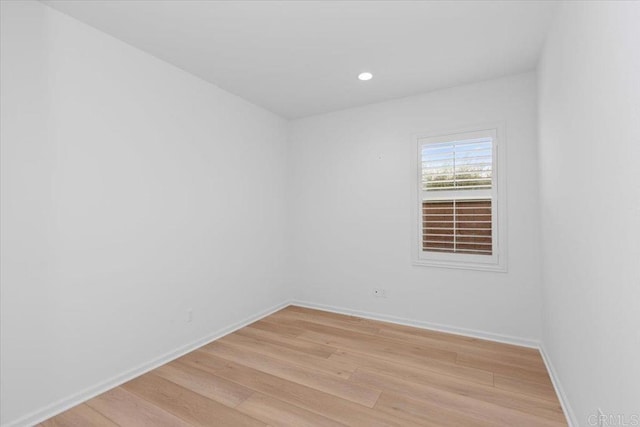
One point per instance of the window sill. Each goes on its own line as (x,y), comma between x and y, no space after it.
(500,268)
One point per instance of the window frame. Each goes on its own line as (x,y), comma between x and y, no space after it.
(497,261)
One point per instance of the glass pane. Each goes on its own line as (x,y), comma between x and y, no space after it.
(457,226)
(455,165)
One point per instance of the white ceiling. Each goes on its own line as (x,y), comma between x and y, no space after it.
(299,58)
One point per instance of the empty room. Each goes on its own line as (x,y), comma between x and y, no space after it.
(320,213)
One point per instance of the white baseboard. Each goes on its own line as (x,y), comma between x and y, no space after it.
(564,402)
(84,395)
(507,339)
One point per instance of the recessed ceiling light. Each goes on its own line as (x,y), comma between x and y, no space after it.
(365,76)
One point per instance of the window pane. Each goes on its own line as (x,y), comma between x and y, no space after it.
(457,226)
(437,226)
(457,165)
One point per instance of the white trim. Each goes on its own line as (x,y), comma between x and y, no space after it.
(462,265)
(473,333)
(562,397)
(88,393)
(496,262)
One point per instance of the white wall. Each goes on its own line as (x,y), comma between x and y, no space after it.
(131,191)
(350,204)
(590,200)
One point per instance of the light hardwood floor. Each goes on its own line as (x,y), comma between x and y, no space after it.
(303,367)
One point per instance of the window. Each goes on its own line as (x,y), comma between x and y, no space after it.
(458,217)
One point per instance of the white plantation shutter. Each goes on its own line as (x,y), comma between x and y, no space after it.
(458,226)
(458,194)
(457,165)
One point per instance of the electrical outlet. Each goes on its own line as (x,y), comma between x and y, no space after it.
(189,315)
(380,293)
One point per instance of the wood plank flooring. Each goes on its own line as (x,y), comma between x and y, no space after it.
(303,367)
